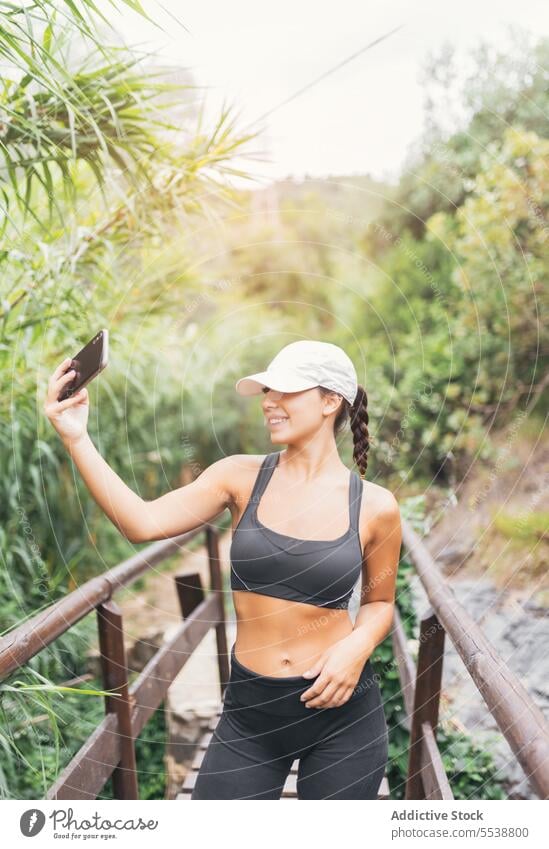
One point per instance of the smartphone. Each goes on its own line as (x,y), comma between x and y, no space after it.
(88,363)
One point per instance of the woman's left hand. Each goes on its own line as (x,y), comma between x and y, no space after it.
(338,670)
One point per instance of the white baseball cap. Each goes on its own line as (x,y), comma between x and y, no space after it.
(302,365)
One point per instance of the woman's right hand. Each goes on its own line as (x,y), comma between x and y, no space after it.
(69,417)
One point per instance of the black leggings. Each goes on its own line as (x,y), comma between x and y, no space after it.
(264,727)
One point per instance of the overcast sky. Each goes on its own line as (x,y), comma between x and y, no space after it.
(362,117)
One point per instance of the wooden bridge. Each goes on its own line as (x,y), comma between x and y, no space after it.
(110,749)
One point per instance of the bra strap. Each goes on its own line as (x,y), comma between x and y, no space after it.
(263,477)
(355,499)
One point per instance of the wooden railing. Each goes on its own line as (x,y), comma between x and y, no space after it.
(519,719)
(110,750)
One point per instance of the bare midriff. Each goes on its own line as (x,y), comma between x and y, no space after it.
(276,637)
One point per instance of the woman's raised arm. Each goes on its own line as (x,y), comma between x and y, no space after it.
(191,505)
(171,514)
(138,520)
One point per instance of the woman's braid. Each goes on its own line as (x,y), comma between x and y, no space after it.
(357,414)
(359,426)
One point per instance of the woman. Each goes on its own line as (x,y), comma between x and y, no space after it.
(305,530)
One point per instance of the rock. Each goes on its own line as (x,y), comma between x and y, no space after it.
(455,554)
(142,650)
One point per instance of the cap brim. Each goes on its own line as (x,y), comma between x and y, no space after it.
(281,381)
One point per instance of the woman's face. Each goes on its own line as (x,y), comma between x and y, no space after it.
(293,416)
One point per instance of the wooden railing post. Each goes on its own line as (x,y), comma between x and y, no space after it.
(216,583)
(190,592)
(115,677)
(426,698)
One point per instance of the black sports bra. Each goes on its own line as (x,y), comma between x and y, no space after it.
(319,572)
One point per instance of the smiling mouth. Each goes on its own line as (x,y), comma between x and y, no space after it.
(277,420)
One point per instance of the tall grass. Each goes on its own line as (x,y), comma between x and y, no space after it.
(96,178)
